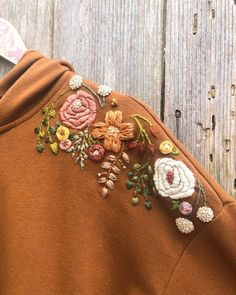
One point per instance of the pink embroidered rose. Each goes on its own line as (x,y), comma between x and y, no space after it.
(78,111)
(96,152)
(185,208)
(65,144)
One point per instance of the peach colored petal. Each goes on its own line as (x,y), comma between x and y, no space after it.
(99,130)
(112,144)
(126,131)
(113,118)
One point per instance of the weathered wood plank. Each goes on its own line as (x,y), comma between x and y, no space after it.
(200,70)
(118,43)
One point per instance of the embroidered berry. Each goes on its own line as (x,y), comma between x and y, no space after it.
(141,147)
(129,184)
(135,200)
(132,145)
(96,152)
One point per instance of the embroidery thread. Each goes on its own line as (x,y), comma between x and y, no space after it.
(113,131)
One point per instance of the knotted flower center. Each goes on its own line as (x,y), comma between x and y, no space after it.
(76,104)
(113,131)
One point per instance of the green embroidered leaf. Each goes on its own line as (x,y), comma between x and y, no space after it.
(135,178)
(45,122)
(149,169)
(45,110)
(52,130)
(136,166)
(139,190)
(39,147)
(58,124)
(148,204)
(130,174)
(129,184)
(52,113)
(71,136)
(175,151)
(54,147)
(175,205)
(36,130)
(42,134)
(145,177)
(47,139)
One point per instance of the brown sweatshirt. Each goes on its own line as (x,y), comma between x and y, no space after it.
(97,196)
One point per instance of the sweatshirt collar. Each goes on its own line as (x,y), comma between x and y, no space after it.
(29,85)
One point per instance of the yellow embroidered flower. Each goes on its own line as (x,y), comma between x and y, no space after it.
(62,133)
(113,131)
(166,147)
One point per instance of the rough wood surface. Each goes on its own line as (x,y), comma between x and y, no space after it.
(178,56)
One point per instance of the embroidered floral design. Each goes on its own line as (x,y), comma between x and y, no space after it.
(140,179)
(167,147)
(113,165)
(113,131)
(104,90)
(65,144)
(75,82)
(185,208)
(114,102)
(78,111)
(205,214)
(143,140)
(75,134)
(80,143)
(96,152)
(184,225)
(62,133)
(173,179)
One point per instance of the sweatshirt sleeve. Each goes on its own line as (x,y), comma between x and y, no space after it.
(208,264)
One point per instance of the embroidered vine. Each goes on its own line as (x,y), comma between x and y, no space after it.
(140,179)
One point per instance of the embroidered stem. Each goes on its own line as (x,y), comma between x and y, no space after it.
(101,101)
(110,176)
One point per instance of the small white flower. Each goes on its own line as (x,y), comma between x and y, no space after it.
(104,90)
(205,214)
(75,82)
(184,225)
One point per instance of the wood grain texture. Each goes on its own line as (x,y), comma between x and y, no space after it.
(178,56)
(200,106)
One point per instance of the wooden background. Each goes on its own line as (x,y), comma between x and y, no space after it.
(178,56)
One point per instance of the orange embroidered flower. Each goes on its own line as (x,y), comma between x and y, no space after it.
(113,131)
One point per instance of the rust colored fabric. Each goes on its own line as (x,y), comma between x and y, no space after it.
(59,237)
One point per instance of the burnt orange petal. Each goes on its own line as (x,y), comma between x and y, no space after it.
(113,118)
(112,144)
(99,130)
(126,131)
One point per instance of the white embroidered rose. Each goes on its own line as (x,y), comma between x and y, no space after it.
(173,179)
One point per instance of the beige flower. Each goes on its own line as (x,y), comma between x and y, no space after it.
(113,131)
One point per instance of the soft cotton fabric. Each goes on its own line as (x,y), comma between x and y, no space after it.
(59,237)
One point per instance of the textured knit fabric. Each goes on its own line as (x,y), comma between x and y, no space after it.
(59,237)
